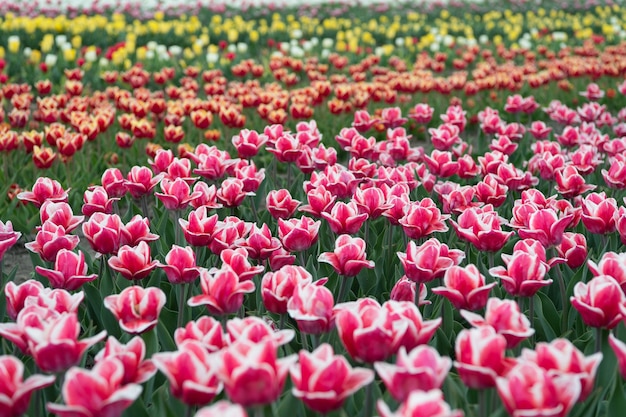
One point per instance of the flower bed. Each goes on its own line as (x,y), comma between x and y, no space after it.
(417,210)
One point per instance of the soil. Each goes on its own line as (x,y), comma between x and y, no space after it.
(18,256)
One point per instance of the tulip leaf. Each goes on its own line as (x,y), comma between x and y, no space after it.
(165,338)
(548,316)
(617,404)
(136,409)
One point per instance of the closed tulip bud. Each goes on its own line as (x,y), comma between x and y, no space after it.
(311,306)
(598,301)
(205,330)
(348,258)
(298,234)
(278,287)
(280,204)
(69,271)
(611,264)
(573,249)
(428,261)
(180,265)
(17,392)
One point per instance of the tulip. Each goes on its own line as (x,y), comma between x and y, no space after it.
(256,329)
(422,369)
(232,192)
(222,291)
(133,263)
(16,295)
(348,258)
(505,317)
(136,309)
(311,306)
(419,403)
(56,347)
(619,348)
(367,330)
(50,240)
(465,287)
(418,331)
(598,301)
(278,287)
(422,219)
(140,181)
(569,182)
(205,330)
(248,143)
(482,227)
(298,234)
(137,369)
(60,214)
(260,243)
(323,381)
(8,237)
(137,230)
(561,357)
(190,372)
(69,271)
(344,218)
(573,249)
(599,213)
(199,226)
(15,392)
(251,373)
(96,392)
(96,199)
(529,390)
(480,357)
(44,189)
(428,261)
(222,409)
(176,194)
(180,265)
(237,260)
(104,232)
(280,204)
(611,264)
(113,182)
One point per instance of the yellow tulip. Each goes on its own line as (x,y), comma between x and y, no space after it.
(69,54)
(14,44)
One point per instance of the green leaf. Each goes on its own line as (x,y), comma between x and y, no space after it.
(547,316)
(617,404)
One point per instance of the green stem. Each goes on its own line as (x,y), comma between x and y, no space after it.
(178,238)
(181,304)
(344,288)
(144,206)
(189,411)
(598,341)
(305,342)
(281,323)
(531,317)
(315,339)
(482,403)
(369,399)
(563,295)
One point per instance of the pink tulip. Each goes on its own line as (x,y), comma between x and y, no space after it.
(15,392)
(298,234)
(420,403)
(422,369)
(280,204)
(137,369)
(255,329)
(205,330)
(180,265)
(60,214)
(69,271)
(96,392)
(133,263)
(278,287)
(16,295)
(104,232)
(323,380)
(598,301)
(222,291)
(465,287)
(619,348)
(311,306)
(348,258)
(422,219)
(251,373)
(428,261)
(44,189)
(190,372)
(222,409)
(8,237)
(50,240)
(136,309)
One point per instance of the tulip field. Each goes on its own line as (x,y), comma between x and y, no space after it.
(337,209)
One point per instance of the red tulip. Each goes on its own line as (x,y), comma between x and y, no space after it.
(280,204)
(505,317)
(50,240)
(104,232)
(278,287)
(208,196)
(44,189)
(190,372)
(229,234)
(367,330)
(422,369)
(573,249)
(611,264)
(251,373)
(15,392)
(56,347)
(133,263)
(205,330)
(323,381)
(406,290)
(137,369)
(480,357)
(598,301)
(529,390)
(420,403)
(441,164)
(113,182)
(222,409)
(422,219)
(311,306)
(465,287)
(344,218)
(428,261)
(320,200)
(348,258)
(96,392)
(298,234)
(136,309)
(69,271)
(180,265)
(8,237)
(222,291)
(232,192)
(615,177)
(482,227)
(561,357)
